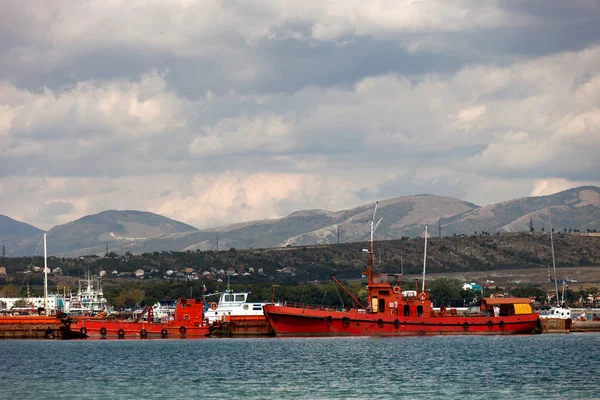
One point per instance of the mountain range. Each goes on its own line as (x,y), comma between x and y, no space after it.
(144,232)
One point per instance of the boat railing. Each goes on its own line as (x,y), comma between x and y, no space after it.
(314,306)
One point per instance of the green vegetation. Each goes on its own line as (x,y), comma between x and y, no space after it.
(303,273)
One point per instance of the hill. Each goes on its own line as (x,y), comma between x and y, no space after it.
(574,208)
(347,260)
(141,232)
(13,233)
(91,234)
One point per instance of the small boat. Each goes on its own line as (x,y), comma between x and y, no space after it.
(188,322)
(40,319)
(234,316)
(583,324)
(558,318)
(390,311)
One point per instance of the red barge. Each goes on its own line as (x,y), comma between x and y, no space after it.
(188,322)
(393,312)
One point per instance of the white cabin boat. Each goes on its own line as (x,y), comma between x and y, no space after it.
(89,299)
(556,313)
(233,304)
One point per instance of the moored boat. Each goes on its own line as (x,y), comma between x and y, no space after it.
(33,327)
(188,322)
(39,319)
(556,320)
(389,311)
(234,316)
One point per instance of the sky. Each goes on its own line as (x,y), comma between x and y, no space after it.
(215,112)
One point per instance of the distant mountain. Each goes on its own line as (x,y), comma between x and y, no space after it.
(118,229)
(143,232)
(13,233)
(577,208)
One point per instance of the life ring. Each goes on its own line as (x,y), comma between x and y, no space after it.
(422,296)
(345,321)
(182,330)
(396,324)
(328,319)
(502,325)
(396,289)
(213,305)
(143,333)
(103,331)
(380,322)
(83,331)
(49,334)
(186,317)
(490,324)
(164,333)
(121,333)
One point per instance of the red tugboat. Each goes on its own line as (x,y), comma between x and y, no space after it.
(393,312)
(189,322)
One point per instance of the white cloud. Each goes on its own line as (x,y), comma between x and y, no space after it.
(236,135)
(139,108)
(472,113)
(371,98)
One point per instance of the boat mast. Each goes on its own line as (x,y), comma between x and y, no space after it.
(424,260)
(553,261)
(373,227)
(45,278)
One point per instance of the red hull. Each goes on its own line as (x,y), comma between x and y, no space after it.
(291,321)
(96,328)
(189,322)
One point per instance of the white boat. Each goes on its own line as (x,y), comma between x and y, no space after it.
(233,304)
(556,312)
(89,299)
(558,318)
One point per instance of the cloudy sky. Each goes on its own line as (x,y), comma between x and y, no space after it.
(212,112)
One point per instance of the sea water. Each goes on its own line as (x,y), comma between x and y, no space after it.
(476,367)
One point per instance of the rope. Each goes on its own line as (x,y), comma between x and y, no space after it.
(323,299)
(339,295)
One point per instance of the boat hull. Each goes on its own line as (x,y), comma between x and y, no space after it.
(585,326)
(32,327)
(103,328)
(291,321)
(555,325)
(244,326)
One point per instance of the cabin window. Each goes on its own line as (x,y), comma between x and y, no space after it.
(239,297)
(419,311)
(406,310)
(382,306)
(228,297)
(257,308)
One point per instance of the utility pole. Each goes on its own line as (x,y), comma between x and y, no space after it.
(217,242)
(338,234)
(440,226)
(531,224)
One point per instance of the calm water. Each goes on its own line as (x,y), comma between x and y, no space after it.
(535,367)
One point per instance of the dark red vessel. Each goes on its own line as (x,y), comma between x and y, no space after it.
(188,322)
(392,312)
